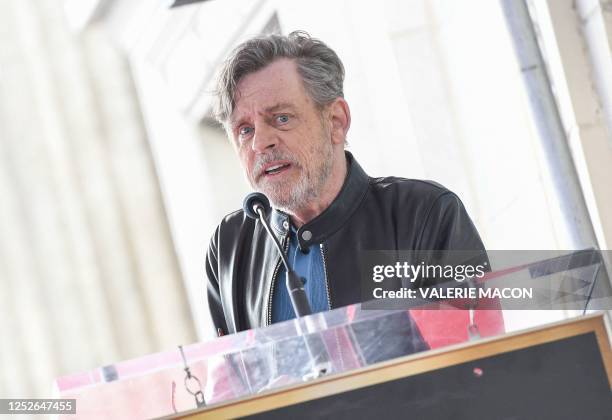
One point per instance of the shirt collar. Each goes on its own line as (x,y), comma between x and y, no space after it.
(332,218)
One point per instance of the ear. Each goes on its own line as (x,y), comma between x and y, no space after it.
(340,119)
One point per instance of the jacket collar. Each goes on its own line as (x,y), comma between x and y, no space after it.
(318,229)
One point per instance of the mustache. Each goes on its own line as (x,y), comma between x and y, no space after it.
(273,156)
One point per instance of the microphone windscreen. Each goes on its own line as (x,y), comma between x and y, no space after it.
(252,199)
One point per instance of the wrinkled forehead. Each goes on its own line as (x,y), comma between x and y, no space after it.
(278,83)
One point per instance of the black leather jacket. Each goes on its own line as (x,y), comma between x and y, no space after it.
(389,213)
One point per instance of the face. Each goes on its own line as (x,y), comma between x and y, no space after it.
(284,145)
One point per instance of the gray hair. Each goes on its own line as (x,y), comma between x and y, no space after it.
(319,66)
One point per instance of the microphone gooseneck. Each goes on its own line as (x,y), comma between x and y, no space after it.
(255,206)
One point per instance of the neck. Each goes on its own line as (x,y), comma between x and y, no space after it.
(305,214)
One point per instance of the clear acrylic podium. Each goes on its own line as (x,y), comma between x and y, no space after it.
(260,361)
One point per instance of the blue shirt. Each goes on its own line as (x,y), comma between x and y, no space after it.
(309,266)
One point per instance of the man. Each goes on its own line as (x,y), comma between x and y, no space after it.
(281,101)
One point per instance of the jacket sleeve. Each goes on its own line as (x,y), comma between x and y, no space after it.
(213,291)
(448,227)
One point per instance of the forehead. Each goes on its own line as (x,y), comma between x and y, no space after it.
(279,83)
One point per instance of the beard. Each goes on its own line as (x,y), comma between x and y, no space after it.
(289,194)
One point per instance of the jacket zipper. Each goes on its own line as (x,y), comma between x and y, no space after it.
(325,274)
(278,264)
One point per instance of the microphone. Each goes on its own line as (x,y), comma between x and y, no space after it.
(254,201)
(255,206)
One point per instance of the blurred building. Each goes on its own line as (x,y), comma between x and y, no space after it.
(88,271)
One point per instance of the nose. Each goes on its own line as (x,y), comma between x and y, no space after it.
(264,138)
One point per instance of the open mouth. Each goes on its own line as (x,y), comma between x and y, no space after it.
(277,169)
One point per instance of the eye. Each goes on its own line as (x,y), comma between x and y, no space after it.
(245,131)
(282,119)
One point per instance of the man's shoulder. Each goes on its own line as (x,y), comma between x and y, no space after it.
(413,189)
(235,220)
(231,227)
